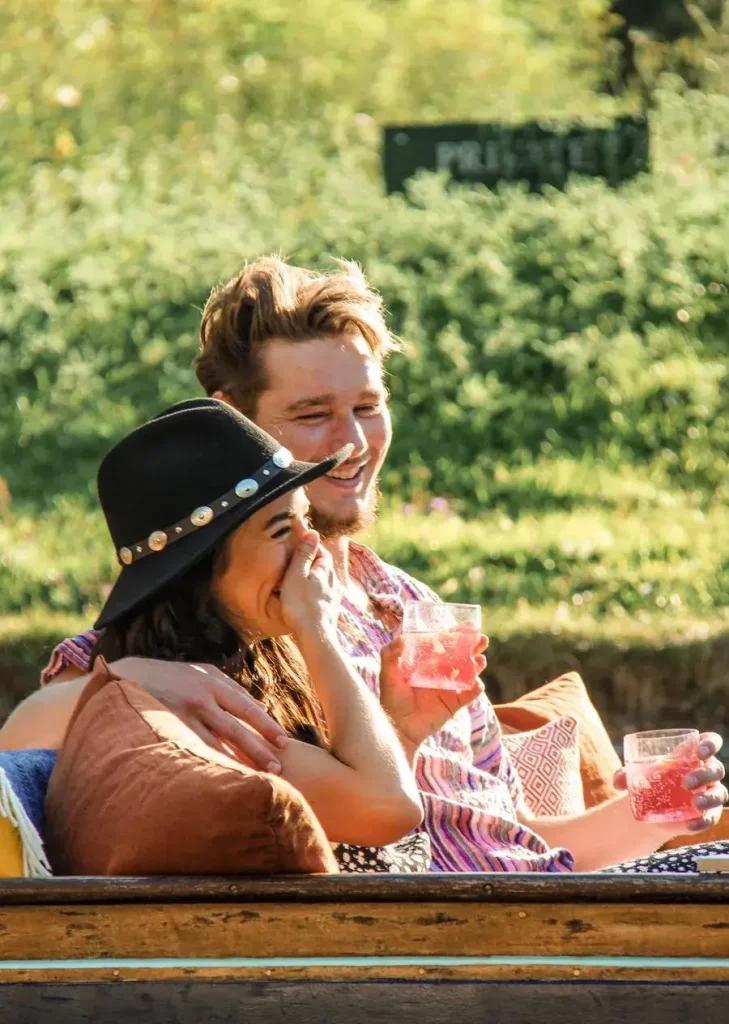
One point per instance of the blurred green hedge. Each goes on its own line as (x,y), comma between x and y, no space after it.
(80,75)
(590,324)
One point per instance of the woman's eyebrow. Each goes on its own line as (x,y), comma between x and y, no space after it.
(280,517)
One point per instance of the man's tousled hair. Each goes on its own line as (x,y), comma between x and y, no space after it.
(272,299)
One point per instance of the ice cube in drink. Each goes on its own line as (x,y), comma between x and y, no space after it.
(441,660)
(657,791)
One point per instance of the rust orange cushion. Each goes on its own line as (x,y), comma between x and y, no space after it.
(568,695)
(136,792)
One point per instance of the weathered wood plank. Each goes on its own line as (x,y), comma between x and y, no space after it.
(362,1003)
(362,929)
(535,971)
(509,888)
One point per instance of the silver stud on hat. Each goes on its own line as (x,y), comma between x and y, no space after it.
(201,516)
(157,541)
(246,488)
(282,458)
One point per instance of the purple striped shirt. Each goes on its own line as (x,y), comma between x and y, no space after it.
(468,784)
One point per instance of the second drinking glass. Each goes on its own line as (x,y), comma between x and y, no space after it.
(656,764)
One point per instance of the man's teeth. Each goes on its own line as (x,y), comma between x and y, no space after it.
(345,472)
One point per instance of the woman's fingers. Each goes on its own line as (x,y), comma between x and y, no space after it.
(710,743)
(709,804)
(712,771)
(707,820)
(322,558)
(301,566)
(714,796)
(305,555)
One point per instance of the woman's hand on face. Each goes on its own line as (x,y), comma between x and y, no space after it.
(705,783)
(310,592)
(417,712)
(217,709)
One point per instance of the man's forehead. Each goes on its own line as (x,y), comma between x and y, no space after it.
(324,368)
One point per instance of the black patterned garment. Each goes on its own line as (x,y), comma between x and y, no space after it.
(679,861)
(409,855)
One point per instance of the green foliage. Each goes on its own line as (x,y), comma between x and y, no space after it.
(77,75)
(624,557)
(589,324)
(562,388)
(631,588)
(690,39)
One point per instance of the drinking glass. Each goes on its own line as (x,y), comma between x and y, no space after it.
(656,765)
(439,643)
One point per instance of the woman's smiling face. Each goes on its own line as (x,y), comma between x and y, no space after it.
(255,559)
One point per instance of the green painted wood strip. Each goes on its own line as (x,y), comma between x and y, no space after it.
(368,961)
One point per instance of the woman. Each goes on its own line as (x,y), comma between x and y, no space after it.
(209,519)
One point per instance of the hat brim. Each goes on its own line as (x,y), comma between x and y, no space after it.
(143,579)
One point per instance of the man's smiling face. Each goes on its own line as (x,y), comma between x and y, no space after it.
(320,395)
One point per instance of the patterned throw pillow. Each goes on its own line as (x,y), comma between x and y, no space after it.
(547,761)
(567,695)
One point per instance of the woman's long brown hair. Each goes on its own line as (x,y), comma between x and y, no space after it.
(185,623)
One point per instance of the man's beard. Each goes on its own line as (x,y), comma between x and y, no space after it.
(330,527)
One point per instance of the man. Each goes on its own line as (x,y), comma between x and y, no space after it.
(302,354)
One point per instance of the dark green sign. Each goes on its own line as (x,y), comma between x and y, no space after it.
(487,154)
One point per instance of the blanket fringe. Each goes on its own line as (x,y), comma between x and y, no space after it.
(35,862)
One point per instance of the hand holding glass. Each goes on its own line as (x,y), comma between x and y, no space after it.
(656,764)
(439,644)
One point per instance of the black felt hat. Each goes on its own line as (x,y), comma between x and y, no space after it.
(175,486)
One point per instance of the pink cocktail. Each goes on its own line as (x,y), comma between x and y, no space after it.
(656,765)
(439,644)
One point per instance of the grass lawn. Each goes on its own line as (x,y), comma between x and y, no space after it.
(617,576)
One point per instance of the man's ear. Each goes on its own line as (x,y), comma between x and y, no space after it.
(222,396)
